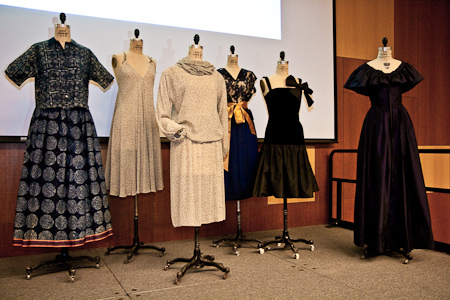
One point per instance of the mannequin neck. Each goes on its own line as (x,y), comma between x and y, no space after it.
(232,66)
(282,68)
(384,53)
(195,52)
(232,62)
(136,46)
(62,34)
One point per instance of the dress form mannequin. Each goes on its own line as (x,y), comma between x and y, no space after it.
(198,260)
(234,70)
(195,50)
(279,81)
(232,64)
(62,31)
(62,35)
(134,55)
(384,61)
(140,63)
(389,216)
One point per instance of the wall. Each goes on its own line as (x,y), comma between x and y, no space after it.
(421,37)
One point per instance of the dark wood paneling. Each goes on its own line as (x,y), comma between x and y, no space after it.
(440,216)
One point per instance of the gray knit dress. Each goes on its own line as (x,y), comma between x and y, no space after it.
(192,112)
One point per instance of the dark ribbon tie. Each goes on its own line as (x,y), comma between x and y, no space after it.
(299,88)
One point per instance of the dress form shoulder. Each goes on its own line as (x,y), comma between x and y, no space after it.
(134,56)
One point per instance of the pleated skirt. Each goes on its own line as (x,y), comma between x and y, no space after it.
(62,199)
(197,192)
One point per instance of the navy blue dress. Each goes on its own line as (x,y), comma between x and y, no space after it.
(239,177)
(391,207)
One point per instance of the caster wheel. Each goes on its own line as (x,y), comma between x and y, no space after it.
(71,279)
(161,254)
(107,253)
(296,256)
(216,245)
(225,276)
(126,261)
(406,261)
(278,244)
(236,252)
(311,247)
(97,266)
(166,268)
(261,251)
(28,276)
(267,248)
(176,281)
(209,257)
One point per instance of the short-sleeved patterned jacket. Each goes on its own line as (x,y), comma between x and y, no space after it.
(61,74)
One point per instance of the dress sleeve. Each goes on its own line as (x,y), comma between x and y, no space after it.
(164,105)
(359,81)
(409,77)
(23,67)
(98,73)
(223,113)
(251,82)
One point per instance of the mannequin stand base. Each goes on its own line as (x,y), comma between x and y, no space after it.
(407,254)
(236,242)
(198,261)
(239,237)
(288,243)
(64,260)
(134,248)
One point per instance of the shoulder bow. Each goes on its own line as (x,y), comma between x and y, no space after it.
(300,87)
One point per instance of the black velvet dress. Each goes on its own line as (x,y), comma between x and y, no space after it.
(283,169)
(391,207)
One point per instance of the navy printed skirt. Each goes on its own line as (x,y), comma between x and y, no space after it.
(62,199)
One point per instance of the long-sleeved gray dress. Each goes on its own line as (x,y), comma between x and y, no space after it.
(192,112)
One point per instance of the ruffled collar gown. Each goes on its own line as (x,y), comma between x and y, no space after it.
(391,207)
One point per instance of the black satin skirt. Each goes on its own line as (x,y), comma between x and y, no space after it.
(391,205)
(284,171)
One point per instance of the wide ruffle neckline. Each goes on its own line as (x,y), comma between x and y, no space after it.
(366,75)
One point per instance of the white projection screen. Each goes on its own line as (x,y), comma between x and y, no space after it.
(259,30)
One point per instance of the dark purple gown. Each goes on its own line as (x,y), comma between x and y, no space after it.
(391,207)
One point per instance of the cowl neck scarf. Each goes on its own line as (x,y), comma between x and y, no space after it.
(194,67)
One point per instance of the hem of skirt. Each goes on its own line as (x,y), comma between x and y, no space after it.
(287,196)
(200,224)
(136,193)
(62,243)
